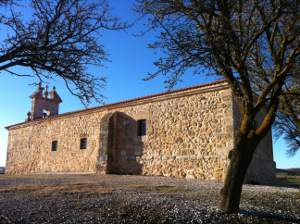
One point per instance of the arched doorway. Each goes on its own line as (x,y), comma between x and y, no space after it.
(120,146)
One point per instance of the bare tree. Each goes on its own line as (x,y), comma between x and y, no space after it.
(59,39)
(5,2)
(254,45)
(287,122)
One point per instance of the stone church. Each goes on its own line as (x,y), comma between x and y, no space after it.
(185,133)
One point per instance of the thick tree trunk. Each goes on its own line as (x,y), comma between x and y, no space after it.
(240,158)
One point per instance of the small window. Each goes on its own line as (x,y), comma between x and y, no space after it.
(54,146)
(83,143)
(141,125)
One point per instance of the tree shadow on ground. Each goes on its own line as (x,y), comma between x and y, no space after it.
(270,217)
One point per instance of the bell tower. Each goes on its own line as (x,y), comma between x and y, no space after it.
(44,103)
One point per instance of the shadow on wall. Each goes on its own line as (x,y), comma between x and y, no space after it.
(120,145)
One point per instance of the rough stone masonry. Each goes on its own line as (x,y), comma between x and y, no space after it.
(185,133)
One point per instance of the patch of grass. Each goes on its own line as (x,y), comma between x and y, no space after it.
(136,186)
(22,188)
(57,189)
(298,195)
(192,194)
(157,188)
(294,180)
(288,181)
(167,189)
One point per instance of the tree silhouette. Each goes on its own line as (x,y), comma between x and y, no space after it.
(254,45)
(59,39)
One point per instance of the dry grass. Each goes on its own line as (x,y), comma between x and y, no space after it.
(87,188)
(288,181)
(58,189)
(192,194)
(156,188)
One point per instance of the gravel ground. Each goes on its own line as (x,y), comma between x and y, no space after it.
(137,199)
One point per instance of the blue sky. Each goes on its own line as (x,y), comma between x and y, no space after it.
(130,60)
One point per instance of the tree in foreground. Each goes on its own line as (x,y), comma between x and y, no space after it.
(287,122)
(254,45)
(58,38)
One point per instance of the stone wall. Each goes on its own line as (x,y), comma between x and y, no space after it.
(189,134)
(29,147)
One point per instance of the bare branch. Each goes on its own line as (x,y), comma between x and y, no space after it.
(61,39)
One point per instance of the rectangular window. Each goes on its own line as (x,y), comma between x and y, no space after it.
(54,146)
(83,143)
(141,125)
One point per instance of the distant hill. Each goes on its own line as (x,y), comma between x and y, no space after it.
(290,171)
(294,169)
